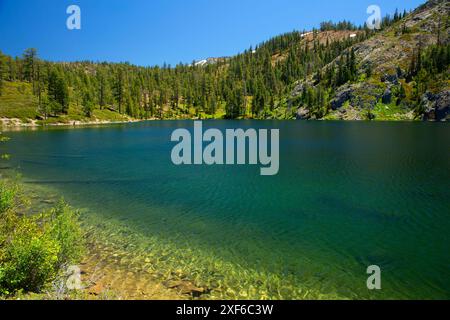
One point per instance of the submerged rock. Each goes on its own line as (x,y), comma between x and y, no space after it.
(186,287)
(48,201)
(96,289)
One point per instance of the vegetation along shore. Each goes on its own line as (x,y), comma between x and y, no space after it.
(61,245)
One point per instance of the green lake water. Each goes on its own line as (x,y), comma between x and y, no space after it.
(348,195)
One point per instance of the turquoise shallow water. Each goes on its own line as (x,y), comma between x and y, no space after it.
(348,195)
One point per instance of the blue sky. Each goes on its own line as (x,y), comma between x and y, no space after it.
(150,32)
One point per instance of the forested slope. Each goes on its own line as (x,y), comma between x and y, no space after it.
(338,71)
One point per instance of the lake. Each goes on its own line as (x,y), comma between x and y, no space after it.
(348,195)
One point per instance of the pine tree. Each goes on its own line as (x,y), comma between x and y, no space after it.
(401,94)
(11,69)
(119,89)
(88,104)
(29,61)
(397,16)
(103,90)
(2,72)
(439,31)
(40,84)
(44,107)
(58,92)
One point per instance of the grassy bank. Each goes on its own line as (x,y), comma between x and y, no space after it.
(20,107)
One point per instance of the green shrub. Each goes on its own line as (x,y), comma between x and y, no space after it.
(30,261)
(8,196)
(34,249)
(64,227)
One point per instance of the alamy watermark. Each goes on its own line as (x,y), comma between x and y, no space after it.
(374,280)
(228,149)
(374,21)
(74,20)
(73,281)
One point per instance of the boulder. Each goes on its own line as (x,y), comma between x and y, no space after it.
(436,106)
(443,106)
(343,95)
(386,98)
(303,114)
(390,78)
(298,89)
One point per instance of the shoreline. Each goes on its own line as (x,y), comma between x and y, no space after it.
(12,123)
(105,273)
(122,263)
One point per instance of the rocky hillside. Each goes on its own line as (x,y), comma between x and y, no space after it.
(389,83)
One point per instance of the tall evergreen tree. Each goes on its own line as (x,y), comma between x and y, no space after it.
(2,72)
(119,89)
(29,62)
(58,91)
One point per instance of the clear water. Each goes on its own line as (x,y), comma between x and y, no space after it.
(348,195)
